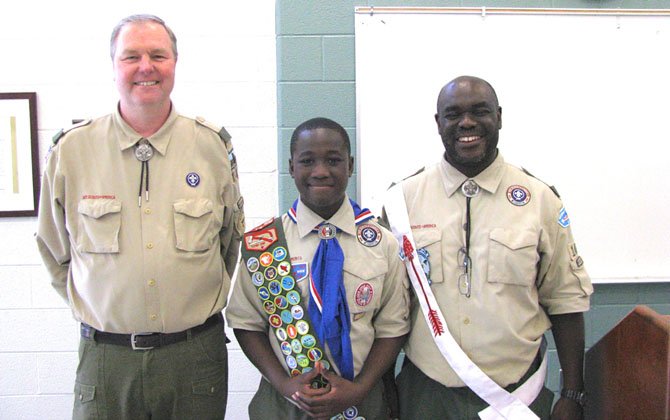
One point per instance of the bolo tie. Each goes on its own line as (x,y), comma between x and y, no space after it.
(469,189)
(143,152)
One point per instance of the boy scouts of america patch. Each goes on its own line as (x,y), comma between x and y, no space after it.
(363,294)
(369,235)
(518,195)
(300,271)
(563,218)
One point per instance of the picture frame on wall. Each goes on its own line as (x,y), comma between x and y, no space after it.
(19,161)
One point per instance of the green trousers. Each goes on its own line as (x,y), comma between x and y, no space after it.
(185,380)
(423,398)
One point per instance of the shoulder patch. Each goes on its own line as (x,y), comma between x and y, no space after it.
(551,187)
(56,138)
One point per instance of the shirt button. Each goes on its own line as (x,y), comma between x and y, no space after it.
(147,211)
(466,321)
(153,317)
(152,282)
(150,245)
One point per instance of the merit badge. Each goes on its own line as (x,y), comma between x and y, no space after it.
(303,361)
(327,231)
(275,320)
(350,413)
(281,302)
(300,271)
(296,346)
(425,262)
(297,312)
(270,273)
(284,268)
(518,195)
(264,293)
(295,372)
(291,362)
(291,330)
(285,348)
(286,316)
(308,341)
(257,279)
(293,297)
(266,259)
(315,354)
(364,293)
(260,240)
(269,307)
(369,235)
(287,283)
(192,179)
(302,326)
(470,188)
(252,264)
(326,364)
(563,218)
(279,253)
(275,287)
(281,334)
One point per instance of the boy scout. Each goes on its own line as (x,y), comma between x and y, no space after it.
(343,269)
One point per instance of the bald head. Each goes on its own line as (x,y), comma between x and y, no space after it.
(461,81)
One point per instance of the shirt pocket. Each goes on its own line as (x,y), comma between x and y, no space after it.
(513,257)
(193,224)
(363,280)
(429,240)
(99,226)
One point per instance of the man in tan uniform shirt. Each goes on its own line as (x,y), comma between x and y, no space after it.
(372,274)
(139,227)
(525,275)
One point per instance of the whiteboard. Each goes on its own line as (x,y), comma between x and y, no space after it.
(586,107)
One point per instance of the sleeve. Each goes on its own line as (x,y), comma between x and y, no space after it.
(392,319)
(564,285)
(233,218)
(244,310)
(52,237)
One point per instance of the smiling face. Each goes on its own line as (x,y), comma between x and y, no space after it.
(320,165)
(144,67)
(468,120)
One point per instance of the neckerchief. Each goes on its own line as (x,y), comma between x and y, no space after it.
(328,308)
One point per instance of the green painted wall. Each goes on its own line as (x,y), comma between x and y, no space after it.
(316,77)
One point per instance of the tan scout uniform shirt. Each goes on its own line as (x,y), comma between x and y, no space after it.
(385,316)
(161,267)
(524,266)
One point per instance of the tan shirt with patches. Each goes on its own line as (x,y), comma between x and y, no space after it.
(384,314)
(524,266)
(161,267)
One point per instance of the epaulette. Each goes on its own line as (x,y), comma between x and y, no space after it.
(551,187)
(220,130)
(56,138)
(408,177)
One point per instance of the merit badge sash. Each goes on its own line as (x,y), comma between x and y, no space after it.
(268,262)
(502,404)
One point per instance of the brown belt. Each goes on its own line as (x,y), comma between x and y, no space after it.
(147,341)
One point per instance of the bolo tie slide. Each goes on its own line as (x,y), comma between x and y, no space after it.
(143,152)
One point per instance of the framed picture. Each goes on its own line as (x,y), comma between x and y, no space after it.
(19,168)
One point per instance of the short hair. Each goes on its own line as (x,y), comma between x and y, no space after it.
(320,122)
(140,19)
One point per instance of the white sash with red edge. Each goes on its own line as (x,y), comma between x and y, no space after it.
(503,405)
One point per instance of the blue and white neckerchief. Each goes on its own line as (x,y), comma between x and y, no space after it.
(328,308)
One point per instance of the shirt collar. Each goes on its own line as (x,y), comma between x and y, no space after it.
(128,137)
(489,179)
(343,218)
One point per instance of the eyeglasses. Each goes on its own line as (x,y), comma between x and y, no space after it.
(464,279)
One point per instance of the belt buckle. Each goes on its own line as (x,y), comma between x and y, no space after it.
(133,337)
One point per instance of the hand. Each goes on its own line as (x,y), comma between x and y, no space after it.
(340,395)
(301,384)
(567,409)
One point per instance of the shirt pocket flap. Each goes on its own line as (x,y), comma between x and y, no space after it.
(193,207)
(513,239)
(365,268)
(99,207)
(424,238)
